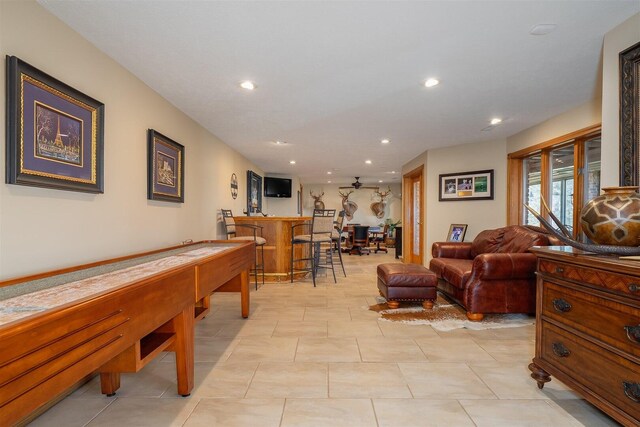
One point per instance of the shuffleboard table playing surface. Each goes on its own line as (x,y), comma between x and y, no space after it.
(113,316)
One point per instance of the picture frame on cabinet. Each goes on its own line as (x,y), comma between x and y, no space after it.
(54,133)
(165,168)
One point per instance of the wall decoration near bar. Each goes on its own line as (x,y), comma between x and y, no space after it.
(55,133)
(475,185)
(254,192)
(165,171)
(234,186)
(630,116)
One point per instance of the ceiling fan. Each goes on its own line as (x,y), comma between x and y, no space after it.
(357,185)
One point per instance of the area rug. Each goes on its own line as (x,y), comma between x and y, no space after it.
(446,316)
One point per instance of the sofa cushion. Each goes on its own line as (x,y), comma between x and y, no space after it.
(519,239)
(487,241)
(457,271)
(437,265)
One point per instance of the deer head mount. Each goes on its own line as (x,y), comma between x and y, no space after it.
(349,207)
(317,200)
(378,207)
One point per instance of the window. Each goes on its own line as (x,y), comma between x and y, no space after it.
(564,173)
(532,187)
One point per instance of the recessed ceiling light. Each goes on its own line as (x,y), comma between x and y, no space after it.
(329,172)
(368,162)
(393,171)
(248,85)
(280,142)
(379,180)
(542,29)
(385,141)
(293,162)
(431,82)
(496,121)
(328,182)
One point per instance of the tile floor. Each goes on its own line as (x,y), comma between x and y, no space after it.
(317,357)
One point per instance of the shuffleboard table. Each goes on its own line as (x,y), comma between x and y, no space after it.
(58,328)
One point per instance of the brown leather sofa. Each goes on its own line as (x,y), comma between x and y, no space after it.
(493,274)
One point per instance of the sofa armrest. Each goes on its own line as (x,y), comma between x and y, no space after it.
(501,266)
(458,250)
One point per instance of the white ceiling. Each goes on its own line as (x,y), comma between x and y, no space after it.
(334,78)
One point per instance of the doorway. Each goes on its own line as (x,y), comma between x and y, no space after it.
(413,216)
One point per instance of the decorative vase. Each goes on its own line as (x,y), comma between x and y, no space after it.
(613,218)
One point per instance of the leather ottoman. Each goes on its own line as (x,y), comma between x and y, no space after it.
(407,282)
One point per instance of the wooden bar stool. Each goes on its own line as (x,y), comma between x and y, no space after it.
(321,229)
(231,227)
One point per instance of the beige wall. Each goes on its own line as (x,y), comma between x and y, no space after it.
(615,41)
(583,116)
(42,229)
(362,197)
(478,214)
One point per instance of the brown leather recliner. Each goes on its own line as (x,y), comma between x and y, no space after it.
(493,274)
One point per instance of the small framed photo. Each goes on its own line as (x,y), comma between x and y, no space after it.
(165,170)
(476,185)
(54,132)
(457,232)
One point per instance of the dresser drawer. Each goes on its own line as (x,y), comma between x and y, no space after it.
(610,322)
(621,283)
(615,379)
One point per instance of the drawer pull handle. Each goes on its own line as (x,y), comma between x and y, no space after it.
(633,333)
(631,390)
(561,305)
(634,287)
(559,269)
(560,350)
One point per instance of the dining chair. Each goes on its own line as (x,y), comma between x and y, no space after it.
(379,238)
(360,240)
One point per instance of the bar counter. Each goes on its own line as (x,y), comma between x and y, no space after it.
(277,251)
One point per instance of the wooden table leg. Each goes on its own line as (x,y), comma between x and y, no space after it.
(240,283)
(109,382)
(244,293)
(183,325)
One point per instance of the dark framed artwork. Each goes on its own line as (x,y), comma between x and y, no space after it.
(165,168)
(254,192)
(457,232)
(475,185)
(630,116)
(55,133)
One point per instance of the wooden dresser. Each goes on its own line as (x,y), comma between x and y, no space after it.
(588,328)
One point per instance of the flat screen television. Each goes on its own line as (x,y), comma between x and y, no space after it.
(277,187)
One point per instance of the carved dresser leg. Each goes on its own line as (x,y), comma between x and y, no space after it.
(393,304)
(427,304)
(539,374)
